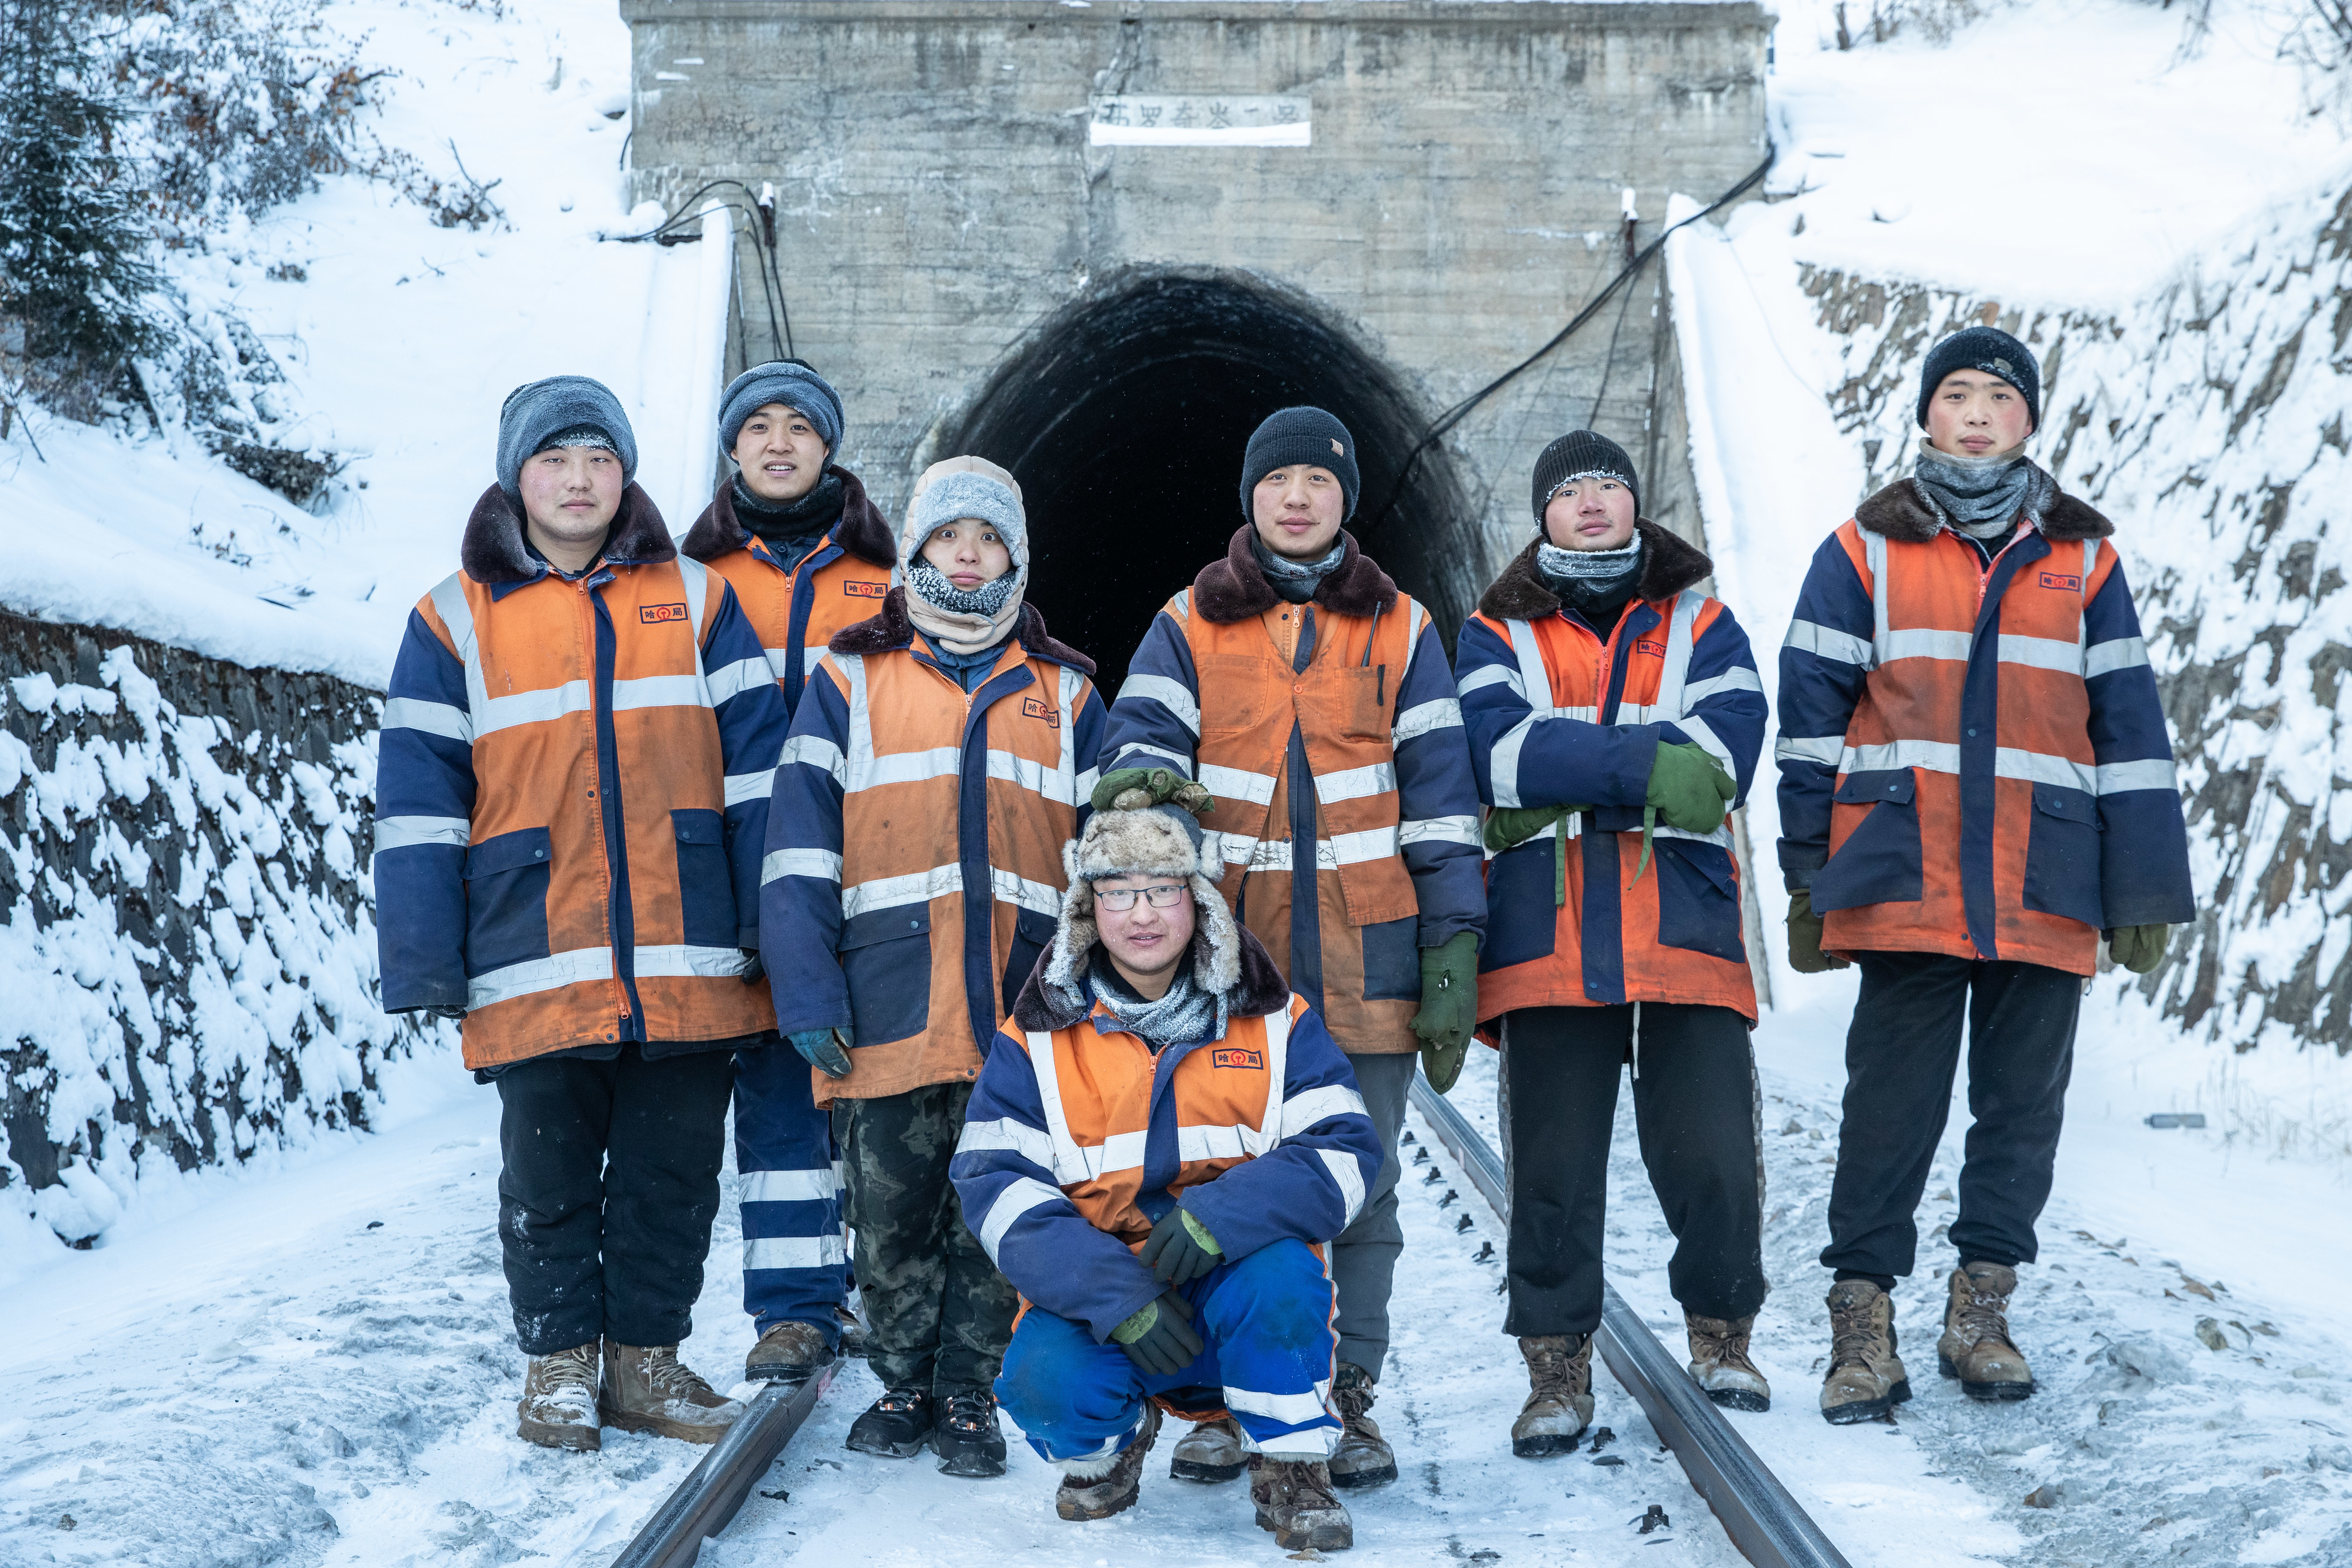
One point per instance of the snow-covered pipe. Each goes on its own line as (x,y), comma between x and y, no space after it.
(708,361)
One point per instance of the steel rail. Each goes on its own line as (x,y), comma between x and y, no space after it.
(714,1490)
(1756,1510)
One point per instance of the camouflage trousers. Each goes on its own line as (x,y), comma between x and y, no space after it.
(939,1314)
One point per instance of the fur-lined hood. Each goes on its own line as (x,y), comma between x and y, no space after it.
(891,630)
(494,552)
(863,531)
(1258,990)
(1669,564)
(1234,588)
(1901,513)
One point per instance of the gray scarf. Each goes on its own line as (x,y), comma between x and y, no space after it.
(1981,496)
(1296,581)
(1183,1014)
(1591,579)
(932,585)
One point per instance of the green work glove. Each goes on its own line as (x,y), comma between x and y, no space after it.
(1508,827)
(1449,1007)
(1133,789)
(2138,948)
(1688,791)
(822,1050)
(1159,1338)
(1180,1250)
(1805,955)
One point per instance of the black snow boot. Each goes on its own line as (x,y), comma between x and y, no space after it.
(895,1426)
(967,1438)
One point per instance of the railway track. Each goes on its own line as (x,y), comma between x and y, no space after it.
(1764,1522)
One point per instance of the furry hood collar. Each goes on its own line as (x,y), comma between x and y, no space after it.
(1257,989)
(494,552)
(1901,513)
(1669,564)
(891,630)
(1234,588)
(863,531)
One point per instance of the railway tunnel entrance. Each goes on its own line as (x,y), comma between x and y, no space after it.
(1125,419)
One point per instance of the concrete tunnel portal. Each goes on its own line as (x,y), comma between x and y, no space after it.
(1125,419)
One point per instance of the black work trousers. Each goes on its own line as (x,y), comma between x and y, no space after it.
(1900,1056)
(1695,1107)
(606,1195)
(938,1315)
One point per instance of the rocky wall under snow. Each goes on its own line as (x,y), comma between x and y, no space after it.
(2208,422)
(187,922)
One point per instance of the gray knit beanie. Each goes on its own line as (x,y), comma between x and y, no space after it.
(789,382)
(537,415)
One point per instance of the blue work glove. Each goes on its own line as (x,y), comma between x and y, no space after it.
(1160,1337)
(1180,1250)
(822,1051)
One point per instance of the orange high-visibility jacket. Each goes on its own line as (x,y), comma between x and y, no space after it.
(1376,819)
(796,607)
(1079,1137)
(571,797)
(917,833)
(1973,753)
(1559,715)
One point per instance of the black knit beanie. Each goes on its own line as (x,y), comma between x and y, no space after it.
(1991,351)
(1300,435)
(1578,454)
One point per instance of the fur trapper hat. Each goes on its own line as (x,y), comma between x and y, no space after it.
(1154,841)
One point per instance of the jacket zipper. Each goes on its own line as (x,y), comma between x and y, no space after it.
(588,618)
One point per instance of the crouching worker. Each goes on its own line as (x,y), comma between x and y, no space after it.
(1615,715)
(568,838)
(1161,1147)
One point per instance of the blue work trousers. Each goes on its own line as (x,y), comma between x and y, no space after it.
(794,1267)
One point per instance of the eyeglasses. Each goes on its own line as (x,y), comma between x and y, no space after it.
(1166,896)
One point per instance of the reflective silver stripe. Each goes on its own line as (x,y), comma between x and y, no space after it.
(1212,1142)
(1093,1161)
(1422,718)
(2009,762)
(1674,671)
(1535,681)
(1170,694)
(1043,779)
(1700,730)
(1084,787)
(1415,617)
(1574,829)
(1180,606)
(1033,1144)
(1355,848)
(1349,1177)
(1828,642)
(820,863)
(1720,837)
(2042,653)
(810,658)
(495,713)
(788,1186)
(534,975)
(859,759)
(743,787)
(780,660)
(731,679)
(1487,675)
(432,717)
(1355,784)
(676,960)
(910,767)
(1936,756)
(1006,887)
(1309,1106)
(1017,1198)
(1437,830)
(1066,1154)
(1277,1072)
(1238,784)
(2101,658)
(1503,765)
(1874,560)
(1740,678)
(1068,786)
(1926,642)
(891,893)
(794,1251)
(401,832)
(1290,1409)
(449,598)
(2154,773)
(816,752)
(1826,749)
(1182,763)
(696,576)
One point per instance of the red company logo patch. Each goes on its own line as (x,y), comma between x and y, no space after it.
(1657,649)
(654,614)
(2062,581)
(865,590)
(1235,1057)
(1038,708)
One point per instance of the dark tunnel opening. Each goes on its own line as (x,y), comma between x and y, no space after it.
(1125,421)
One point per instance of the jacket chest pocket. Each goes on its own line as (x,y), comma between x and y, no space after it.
(1698,899)
(1236,693)
(2062,855)
(1362,702)
(1880,861)
(706,884)
(506,883)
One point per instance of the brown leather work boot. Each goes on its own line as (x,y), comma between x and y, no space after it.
(1295,1499)
(1719,1362)
(1865,1379)
(558,1408)
(1211,1452)
(789,1353)
(1096,1488)
(648,1389)
(1559,1397)
(1976,1347)
(1363,1457)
